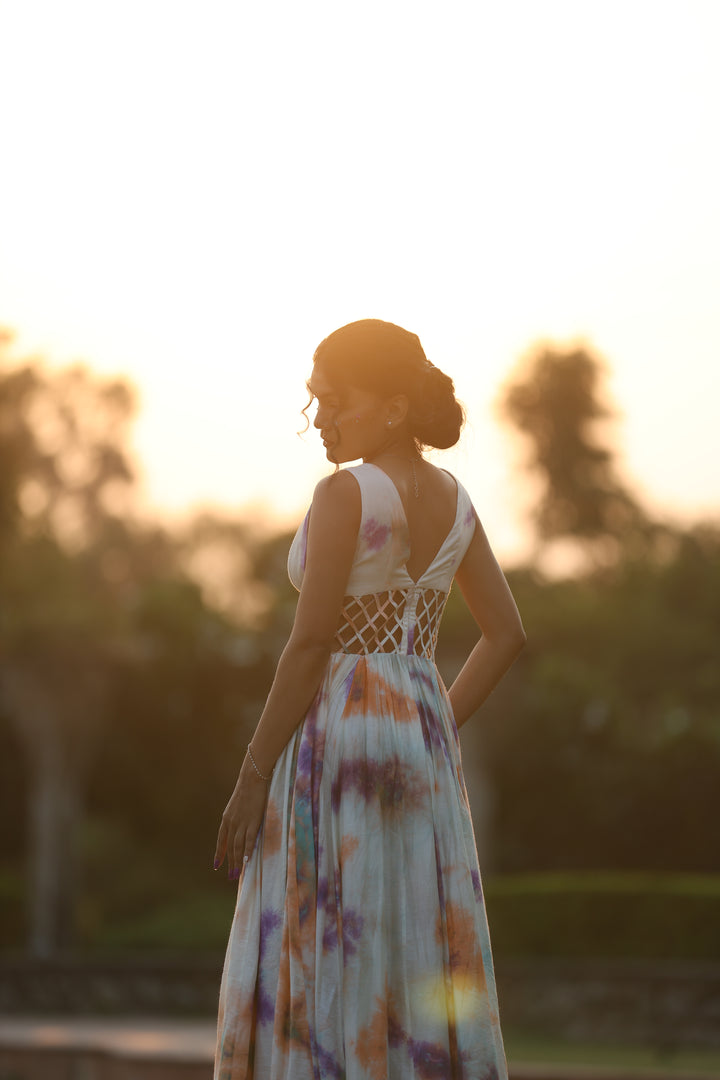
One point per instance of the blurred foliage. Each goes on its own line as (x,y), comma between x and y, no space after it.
(560,914)
(123,687)
(555,401)
(141,656)
(602,743)
(653,916)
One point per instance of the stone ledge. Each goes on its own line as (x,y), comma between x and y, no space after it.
(66,1048)
(91,1048)
(667,1005)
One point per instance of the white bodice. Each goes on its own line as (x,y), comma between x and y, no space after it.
(385,610)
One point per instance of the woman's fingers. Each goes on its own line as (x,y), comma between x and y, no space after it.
(221,845)
(229,842)
(238,852)
(250,840)
(243,845)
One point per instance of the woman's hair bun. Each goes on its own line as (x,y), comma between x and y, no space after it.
(386,359)
(436,416)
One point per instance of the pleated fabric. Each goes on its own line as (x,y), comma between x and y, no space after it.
(359,947)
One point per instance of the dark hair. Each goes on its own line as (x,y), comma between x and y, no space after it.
(384,359)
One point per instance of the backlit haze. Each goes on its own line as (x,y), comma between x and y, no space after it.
(194,194)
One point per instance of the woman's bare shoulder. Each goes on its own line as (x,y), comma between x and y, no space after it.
(442,481)
(337,497)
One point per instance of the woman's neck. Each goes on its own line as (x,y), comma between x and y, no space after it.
(394,447)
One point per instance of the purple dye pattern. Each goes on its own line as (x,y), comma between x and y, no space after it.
(433,734)
(325,1066)
(306,751)
(309,765)
(357,688)
(326,902)
(392,783)
(477,885)
(349,680)
(265,1004)
(352,926)
(352,687)
(423,676)
(316,749)
(269,921)
(305,755)
(469,517)
(351,920)
(330,938)
(431,1061)
(305,828)
(374,534)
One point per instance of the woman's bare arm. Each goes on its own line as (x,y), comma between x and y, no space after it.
(491,604)
(332,537)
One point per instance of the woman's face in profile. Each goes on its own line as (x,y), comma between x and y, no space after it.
(350,421)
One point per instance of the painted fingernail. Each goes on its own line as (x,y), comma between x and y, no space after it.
(245,859)
(234,873)
(216,864)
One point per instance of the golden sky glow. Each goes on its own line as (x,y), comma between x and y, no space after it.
(195,193)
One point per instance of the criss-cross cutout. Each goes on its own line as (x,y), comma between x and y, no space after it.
(402,621)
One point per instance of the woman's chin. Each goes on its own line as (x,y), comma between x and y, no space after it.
(337,456)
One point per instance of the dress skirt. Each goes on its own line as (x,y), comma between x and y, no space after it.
(359,947)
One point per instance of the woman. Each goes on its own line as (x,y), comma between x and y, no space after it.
(359,946)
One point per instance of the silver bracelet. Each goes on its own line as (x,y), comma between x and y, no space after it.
(252,762)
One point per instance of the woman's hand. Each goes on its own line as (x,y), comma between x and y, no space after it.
(241,821)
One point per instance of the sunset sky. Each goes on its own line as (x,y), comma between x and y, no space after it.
(195,193)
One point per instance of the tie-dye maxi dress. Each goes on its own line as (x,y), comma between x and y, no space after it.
(359,947)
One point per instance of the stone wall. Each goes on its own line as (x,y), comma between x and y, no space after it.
(667,1006)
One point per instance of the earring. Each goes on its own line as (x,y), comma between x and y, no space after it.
(389,423)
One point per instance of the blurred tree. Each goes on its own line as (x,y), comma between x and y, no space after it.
(62,441)
(220,552)
(605,747)
(555,401)
(619,681)
(63,469)
(110,626)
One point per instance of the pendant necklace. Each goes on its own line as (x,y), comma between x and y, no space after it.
(415,479)
(416,486)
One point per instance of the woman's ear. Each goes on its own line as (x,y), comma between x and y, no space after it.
(396,409)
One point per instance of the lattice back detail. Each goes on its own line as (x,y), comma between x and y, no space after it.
(398,621)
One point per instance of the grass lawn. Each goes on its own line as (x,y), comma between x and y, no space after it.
(522,1048)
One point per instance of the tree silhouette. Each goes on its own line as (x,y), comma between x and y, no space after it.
(554,400)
